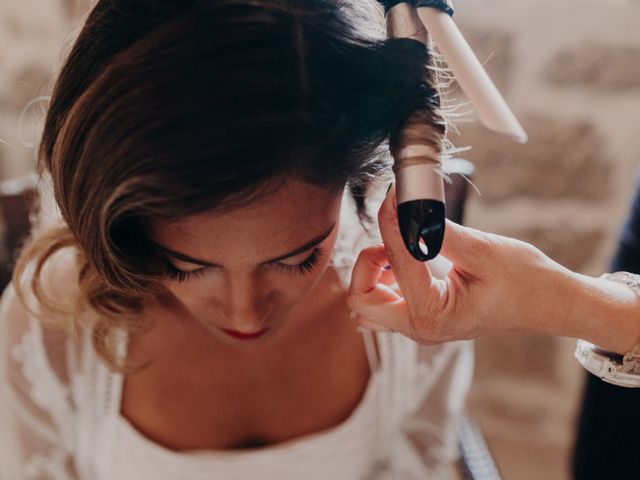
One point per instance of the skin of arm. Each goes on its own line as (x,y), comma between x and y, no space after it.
(606,313)
(496,285)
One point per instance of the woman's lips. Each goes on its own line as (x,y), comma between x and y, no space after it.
(244,336)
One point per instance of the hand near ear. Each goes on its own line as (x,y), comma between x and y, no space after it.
(496,285)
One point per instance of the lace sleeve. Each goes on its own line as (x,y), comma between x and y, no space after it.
(36,415)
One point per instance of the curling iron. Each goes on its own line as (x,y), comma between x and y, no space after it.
(419,186)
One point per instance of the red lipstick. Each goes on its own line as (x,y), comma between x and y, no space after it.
(244,336)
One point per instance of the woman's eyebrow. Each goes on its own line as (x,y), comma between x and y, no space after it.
(303,248)
(307,246)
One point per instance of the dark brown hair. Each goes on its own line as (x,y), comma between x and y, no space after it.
(165,109)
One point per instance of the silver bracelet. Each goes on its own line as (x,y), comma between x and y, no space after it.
(621,370)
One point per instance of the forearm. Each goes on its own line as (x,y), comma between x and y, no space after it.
(603,312)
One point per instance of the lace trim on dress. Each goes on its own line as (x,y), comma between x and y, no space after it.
(46,390)
(49,394)
(52,466)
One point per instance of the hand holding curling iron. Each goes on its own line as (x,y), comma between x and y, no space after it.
(495,285)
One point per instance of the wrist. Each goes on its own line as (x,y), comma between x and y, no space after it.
(605,313)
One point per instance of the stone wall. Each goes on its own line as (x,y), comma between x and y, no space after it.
(571,71)
(34,36)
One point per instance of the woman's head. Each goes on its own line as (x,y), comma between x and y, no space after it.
(244,270)
(166,111)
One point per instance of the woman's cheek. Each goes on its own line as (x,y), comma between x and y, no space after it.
(303,285)
(193,294)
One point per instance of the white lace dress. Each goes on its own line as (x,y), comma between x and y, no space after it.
(60,411)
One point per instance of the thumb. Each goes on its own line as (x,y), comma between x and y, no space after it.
(413,276)
(466,247)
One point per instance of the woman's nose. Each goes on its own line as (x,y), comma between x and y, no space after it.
(247,307)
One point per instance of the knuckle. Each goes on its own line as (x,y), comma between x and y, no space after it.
(367,255)
(426,328)
(417,326)
(525,251)
(530,250)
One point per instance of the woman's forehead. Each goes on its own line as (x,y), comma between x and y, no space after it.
(269,227)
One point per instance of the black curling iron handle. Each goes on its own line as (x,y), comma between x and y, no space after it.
(422,220)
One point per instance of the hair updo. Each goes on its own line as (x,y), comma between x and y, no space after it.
(165,109)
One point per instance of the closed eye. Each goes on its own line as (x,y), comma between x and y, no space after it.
(174,273)
(306,266)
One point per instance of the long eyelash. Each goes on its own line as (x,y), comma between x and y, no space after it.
(180,275)
(309,264)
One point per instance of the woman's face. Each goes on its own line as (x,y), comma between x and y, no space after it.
(240,272)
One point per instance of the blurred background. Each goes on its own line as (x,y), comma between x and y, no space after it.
(571,71)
